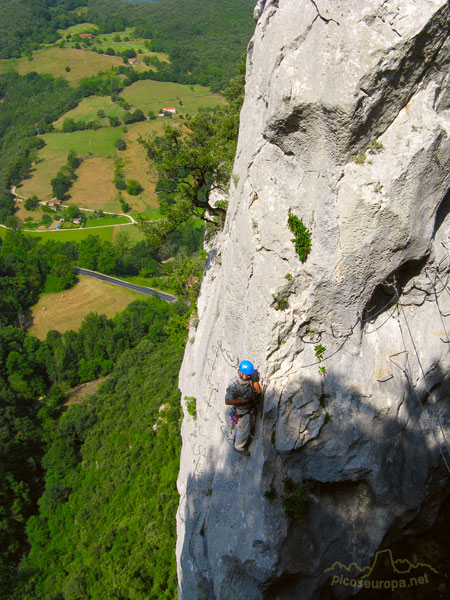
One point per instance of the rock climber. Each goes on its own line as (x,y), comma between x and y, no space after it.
(242,393)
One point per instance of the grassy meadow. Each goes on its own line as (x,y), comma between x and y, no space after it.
(107,234)
(94,187)
(98,143)
(106,221)
(87,111)
(74,235)
(54,60)
(54,155)
(139,45)
(103,41)
(66,310)
(137,166)
(155,95)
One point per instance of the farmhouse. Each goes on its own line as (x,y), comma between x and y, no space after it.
(85,35)
(76,221)
(54,203)
(134,61)
(171,109)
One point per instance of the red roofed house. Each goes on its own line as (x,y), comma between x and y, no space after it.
(85,35)
(171,109)
(53,203)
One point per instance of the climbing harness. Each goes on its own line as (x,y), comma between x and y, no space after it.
(234,418)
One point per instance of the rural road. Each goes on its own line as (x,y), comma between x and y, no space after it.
(131,286)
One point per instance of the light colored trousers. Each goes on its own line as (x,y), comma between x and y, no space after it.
(242,432)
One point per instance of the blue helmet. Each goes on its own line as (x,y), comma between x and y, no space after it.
(246,367)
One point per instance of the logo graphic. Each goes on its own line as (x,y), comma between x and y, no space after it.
(384,573)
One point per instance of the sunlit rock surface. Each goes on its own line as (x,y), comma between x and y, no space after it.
(346,125)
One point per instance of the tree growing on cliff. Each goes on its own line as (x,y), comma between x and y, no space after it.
(193,164)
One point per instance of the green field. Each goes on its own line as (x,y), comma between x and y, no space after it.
(155,95)
(106,40)
(151,213)
(74,235)
(106,221)
(88,108)
(133,232)
(79,28)
(67,311)
(53,61)
(94,186)
(109,40)
(54,155)
(98,143)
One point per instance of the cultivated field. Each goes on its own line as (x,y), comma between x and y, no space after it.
(38,182)
(107,221)
(94,187)
(137,165)
(54,155)
(89,295)
(98,143)
(155,95)
(133,233)
(103,41)
(82,63)
(107,234)
(87,111)
(75,235)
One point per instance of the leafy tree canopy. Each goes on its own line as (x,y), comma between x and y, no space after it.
(193,164)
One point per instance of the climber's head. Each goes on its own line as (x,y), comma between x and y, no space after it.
(245,369)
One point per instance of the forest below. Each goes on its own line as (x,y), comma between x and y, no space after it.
(88,490)
(44,449)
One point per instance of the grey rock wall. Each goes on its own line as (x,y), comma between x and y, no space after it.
(346,124)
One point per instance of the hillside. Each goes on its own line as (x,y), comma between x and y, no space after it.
(116,496)
(208,46)
(99,69)
(83,97)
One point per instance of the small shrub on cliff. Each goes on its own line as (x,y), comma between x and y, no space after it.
(319,351)
(375,147)
(323,400)
(302,236)
(271,494)
(297,500)
(281,302)
(191,406)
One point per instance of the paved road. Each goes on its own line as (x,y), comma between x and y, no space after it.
(131,286)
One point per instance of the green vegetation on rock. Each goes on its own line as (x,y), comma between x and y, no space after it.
(302,236)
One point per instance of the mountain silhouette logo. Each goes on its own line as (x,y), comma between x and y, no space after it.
(401,566)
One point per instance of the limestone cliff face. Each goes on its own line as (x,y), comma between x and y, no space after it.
(345,124)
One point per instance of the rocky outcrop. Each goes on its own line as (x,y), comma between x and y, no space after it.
(346,125)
